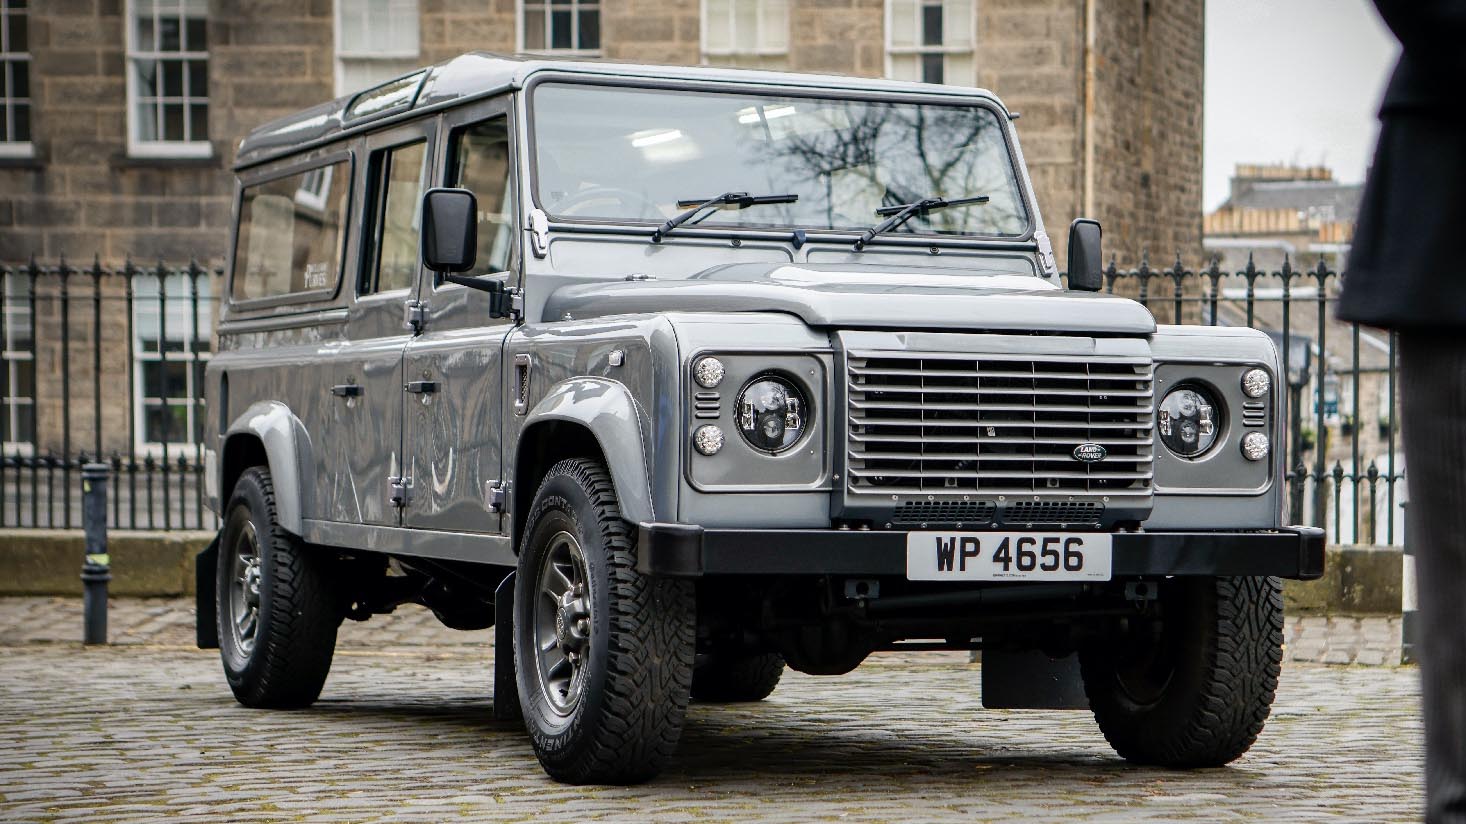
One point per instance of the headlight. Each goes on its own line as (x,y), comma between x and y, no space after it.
(1187,421)
(772,413)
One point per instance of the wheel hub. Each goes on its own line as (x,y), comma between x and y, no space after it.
(244,590)
(562,624)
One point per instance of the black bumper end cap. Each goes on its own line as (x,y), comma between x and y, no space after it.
(671,550)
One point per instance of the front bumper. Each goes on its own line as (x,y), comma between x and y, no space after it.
(688,551)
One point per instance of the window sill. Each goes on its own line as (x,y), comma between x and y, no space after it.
(165,162)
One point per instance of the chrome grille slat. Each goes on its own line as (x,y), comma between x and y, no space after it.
(949,423)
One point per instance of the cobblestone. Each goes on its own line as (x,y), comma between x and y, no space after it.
(147,733)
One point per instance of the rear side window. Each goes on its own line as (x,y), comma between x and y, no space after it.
(290,236)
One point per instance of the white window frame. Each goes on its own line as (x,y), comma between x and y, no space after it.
(136,146)
(200,331)
(761,9)
(17,302)
(574,27)
(401,56)
(919,49)
(8,147)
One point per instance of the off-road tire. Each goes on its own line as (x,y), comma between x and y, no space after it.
(733,679)
(298,616)
(625,725)
(1211,672)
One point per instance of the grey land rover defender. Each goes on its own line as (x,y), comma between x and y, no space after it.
(677,376)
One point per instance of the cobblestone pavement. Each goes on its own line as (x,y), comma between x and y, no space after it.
(149,732)
(1326,639)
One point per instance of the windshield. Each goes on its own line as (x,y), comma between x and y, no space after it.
(631,154)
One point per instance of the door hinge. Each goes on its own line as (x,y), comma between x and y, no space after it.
(399,490)
(415,315)
(539,231)
(498,493)
(516,303)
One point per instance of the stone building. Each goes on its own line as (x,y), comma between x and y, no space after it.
(1278,209)
(119,120)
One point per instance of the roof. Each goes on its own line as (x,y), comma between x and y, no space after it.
(481,74)
(1339,200)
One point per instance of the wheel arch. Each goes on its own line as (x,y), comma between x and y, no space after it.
(269,434)
(583,417)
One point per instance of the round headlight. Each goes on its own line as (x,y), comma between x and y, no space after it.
(708,373)
(1188,421)
(1256,383)
(708,439)
(1254,446)
(772,413)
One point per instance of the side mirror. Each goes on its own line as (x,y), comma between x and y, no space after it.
(449,230)
(1086,263)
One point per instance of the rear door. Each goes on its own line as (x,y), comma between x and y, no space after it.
(360,451)
(453,369)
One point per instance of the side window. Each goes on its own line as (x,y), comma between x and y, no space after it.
(481,164)
(290,234)
(397,183)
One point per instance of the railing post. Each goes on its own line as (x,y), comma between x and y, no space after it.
(96,570)
(1409,594)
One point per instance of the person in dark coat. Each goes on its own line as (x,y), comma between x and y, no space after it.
(1407,272)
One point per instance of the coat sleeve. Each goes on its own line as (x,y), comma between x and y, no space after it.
(1431,32)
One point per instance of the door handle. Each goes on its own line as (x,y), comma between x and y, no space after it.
(421,387)
(346,390)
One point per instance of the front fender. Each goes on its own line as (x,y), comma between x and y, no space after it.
(287,448)
(606,408)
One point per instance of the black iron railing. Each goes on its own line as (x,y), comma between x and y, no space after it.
(106,363)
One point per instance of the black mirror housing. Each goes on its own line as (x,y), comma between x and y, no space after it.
(1086,262)
(449,230)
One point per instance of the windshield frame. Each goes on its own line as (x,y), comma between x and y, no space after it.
(774,89)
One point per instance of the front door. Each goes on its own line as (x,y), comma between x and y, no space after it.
(359,455)
(452,370)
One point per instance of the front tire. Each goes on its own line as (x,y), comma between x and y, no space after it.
(603,654)
(277,616)
(1194,687)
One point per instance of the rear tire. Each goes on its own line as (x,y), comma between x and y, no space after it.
(1195,688)
(603,654)
(734,679)
(277,614)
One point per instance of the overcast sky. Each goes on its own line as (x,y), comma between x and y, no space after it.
(1292,81)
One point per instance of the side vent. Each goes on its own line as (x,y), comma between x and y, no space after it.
(706,405)
(1254,413)
(522,364)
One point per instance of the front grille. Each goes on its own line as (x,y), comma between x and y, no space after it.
(997,425)
(944,512)
(1053,512)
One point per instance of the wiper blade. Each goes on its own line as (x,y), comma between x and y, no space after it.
(739,200)
(898,215)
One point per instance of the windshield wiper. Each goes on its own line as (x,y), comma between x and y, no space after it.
(739,200)
(904,212)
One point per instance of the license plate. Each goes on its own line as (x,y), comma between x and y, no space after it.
(1008,556)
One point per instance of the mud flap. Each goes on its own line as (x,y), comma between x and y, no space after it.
(206,604)
(1031,681)
(506,690)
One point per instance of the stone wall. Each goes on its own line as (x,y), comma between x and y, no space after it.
(82,195)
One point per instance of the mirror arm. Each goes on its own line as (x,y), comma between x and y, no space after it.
(501,301)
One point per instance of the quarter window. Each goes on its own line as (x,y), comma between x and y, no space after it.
(168,78)
(290,236)
(15,80)
(560,26)
(930,41)
(397,176)
(481,165)
(750,34)
(376,40)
